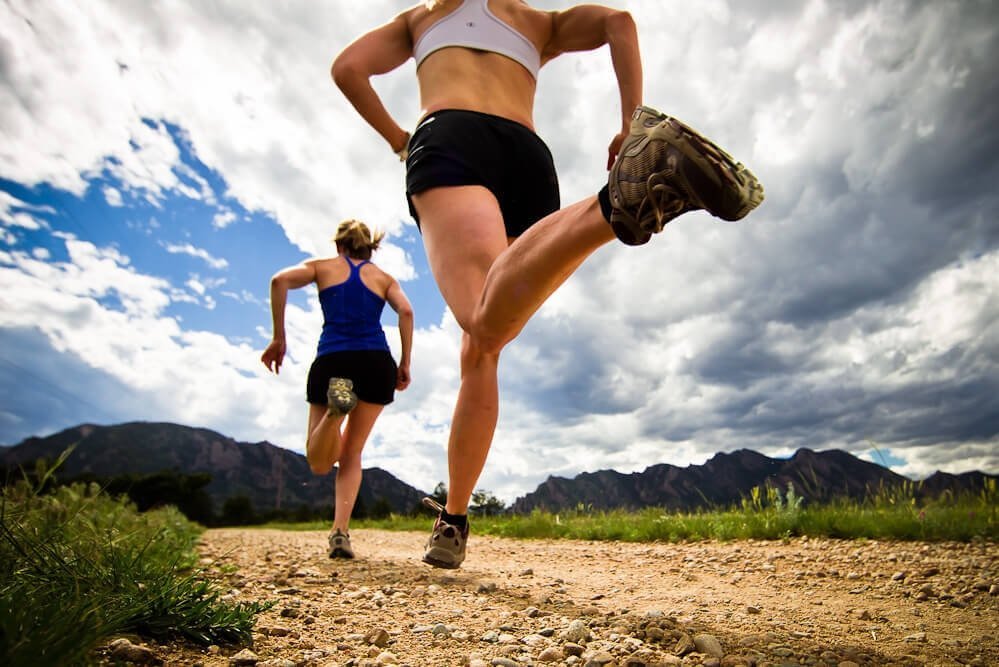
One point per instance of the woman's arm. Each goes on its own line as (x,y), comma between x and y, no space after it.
(587,27)
(291,278)
(396,298)
(377,52)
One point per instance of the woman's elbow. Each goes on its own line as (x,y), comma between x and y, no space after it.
(621,21)
(343,72)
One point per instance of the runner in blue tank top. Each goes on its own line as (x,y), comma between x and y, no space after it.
(354,375)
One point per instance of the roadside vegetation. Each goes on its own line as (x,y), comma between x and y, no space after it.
(769,513)
(78,567)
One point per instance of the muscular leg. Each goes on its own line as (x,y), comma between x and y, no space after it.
(535,265)
(322,445)
(360,421)
(493,290)
(463,234)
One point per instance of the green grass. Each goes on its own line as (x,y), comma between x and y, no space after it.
(768,514)
(78,567)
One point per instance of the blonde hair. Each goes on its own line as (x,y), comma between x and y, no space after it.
(355,237)
(431,5)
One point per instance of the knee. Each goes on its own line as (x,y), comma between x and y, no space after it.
(478,349)
(320,468)
(482,338)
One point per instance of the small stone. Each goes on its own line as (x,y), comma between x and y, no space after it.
(504,662)
(246,657)
(387,658)
(599,659)
(551,654)
(994,589)
(122,649)
(377,637)
(577,632)
(572,649)
(863,615)
(706,643)
(898,576)
(684,645)
(750,609)
(915,637)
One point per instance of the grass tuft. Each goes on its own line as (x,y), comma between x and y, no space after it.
(78,567)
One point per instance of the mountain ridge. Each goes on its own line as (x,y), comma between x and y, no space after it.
(729,477)
(273,478)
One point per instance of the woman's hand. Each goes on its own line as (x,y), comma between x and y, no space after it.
(402,377)
(274,355)
(615,148)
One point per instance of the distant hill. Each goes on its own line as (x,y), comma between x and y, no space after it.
(727,478)
(274,478)
(270,476)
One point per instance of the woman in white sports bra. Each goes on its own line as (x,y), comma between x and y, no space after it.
(482,185)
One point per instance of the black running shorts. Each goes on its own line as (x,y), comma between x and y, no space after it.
(456,147)
(373,373)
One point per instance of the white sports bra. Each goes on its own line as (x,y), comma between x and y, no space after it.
(473,26)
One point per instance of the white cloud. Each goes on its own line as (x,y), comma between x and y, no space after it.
(853,304)
(223,219)
(113,196)
(17,213)
(200,253)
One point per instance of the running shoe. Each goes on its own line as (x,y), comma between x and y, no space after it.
(340,545)
(340,398)
(446,546)
(666,168)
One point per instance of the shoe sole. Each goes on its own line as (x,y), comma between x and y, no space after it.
(437,562)
(738,190)
(340,553)
(340,401)
(742,188)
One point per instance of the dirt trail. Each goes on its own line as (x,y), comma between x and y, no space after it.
(533,602)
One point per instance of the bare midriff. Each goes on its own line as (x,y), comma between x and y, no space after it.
(461,78)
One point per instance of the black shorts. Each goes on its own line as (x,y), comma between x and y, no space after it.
(456,147)
(373,373)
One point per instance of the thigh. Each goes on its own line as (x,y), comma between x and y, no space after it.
(358,427)
(463,234)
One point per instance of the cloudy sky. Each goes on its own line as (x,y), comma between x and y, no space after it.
(160,161)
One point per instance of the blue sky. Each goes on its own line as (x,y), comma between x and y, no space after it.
(158,162)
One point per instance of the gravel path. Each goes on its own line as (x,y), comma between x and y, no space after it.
(593,604)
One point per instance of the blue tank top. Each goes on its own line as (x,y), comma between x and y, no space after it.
(351,316)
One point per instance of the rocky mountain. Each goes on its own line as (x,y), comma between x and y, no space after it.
(727,478)
(270,476)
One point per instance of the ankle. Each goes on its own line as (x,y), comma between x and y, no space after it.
(458,520)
